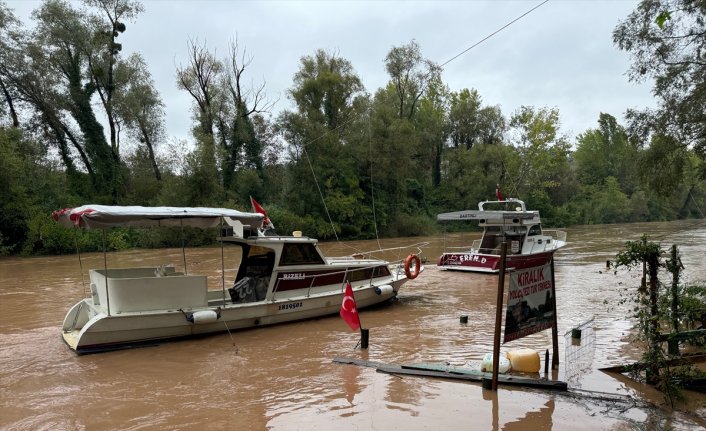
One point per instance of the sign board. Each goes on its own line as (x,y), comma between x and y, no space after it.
(530,304)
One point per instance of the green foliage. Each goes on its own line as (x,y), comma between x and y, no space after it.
(655,309)
(692,306)
(380,162)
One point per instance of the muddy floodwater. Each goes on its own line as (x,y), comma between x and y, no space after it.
(283,377)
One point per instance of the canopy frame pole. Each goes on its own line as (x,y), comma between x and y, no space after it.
(183,249)
(223,265)
(105,267)
(80,267)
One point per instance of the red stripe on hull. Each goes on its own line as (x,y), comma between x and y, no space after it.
(490,262)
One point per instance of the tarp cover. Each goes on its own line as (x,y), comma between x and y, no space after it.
(106,216)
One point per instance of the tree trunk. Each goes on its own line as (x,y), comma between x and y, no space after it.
(8,98)
(150,150)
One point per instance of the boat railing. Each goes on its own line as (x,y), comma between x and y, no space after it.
(398,266)
(474,248)
(554,236)
(381,254)
(557,235)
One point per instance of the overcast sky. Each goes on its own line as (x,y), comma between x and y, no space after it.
(560,55)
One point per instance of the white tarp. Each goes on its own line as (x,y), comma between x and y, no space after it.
(106,216)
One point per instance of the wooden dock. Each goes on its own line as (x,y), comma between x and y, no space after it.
(445,371)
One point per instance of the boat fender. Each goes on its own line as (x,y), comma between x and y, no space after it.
(385,289)
(203,316)
(412,261)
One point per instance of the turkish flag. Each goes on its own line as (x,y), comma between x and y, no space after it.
(498,193)
(258,208)
(349,312)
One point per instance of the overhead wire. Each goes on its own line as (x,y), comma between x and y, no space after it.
(492,34)
(305,145)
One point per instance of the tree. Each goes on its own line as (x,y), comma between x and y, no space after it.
(9,27)
(411,75)
(665,39)
(325,91)
(543,153)
(225,109)
(472,124)
(200,79)
(242,145)
(139,108)
(607,152)
(431,121)
(103,53)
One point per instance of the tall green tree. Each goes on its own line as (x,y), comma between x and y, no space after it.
(324,91)
(665,39)
(9,28)
(138,107)
(411,74)
(607,152)
(470,123)
(543,175)
(431,121)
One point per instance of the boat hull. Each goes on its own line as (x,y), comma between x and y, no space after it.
(99,332)
(490,263)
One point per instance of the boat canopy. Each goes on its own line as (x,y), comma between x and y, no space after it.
(107,216)
(488,215)
(517,215)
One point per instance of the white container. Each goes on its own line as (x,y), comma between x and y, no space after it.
(487,364)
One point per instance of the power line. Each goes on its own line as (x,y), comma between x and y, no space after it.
(491,34)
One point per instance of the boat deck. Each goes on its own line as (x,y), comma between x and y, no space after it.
(71,338)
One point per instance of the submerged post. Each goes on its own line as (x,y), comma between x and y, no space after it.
(499,315)
(364,336)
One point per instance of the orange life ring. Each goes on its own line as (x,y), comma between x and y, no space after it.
(408,263)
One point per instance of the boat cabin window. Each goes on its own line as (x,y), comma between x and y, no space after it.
(300,254)
(535,230)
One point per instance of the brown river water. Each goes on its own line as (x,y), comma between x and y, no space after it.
(283,377)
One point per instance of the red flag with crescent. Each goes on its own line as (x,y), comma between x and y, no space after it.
(349,312)
(258,208)
(498,193)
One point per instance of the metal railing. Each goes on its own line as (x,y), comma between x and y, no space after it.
(396,268)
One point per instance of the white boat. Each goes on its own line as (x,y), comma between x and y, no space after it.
(280,279)
(528,245)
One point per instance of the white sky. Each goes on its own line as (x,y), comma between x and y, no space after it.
(561,55)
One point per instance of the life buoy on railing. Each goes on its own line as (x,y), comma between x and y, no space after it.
(412,260)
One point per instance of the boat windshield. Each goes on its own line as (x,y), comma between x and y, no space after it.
(300,254)
(535,230)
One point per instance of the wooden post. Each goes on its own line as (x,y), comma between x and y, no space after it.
(673,345)
(364,337)
(546,363)
(499,315)
(555,329)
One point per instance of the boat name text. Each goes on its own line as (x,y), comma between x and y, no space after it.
(290,306)
(471,258)
(294,276)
